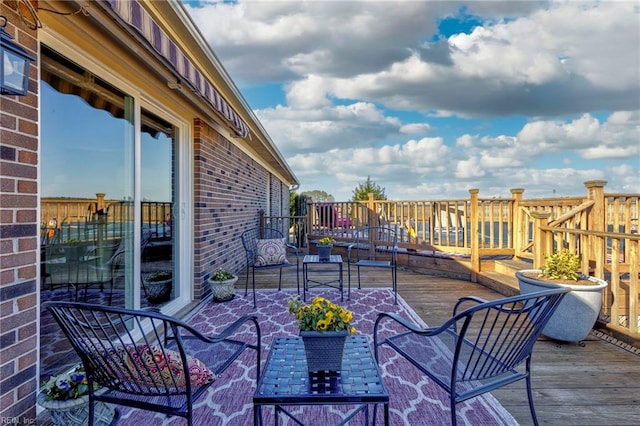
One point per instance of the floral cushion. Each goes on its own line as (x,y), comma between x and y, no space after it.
(146,365)
(165,366)
(271,252)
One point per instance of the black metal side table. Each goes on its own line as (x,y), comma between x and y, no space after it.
(311,259)
(285,381)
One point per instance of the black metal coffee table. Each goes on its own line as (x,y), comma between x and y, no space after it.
(285,381)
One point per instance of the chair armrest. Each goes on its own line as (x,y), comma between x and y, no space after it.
(414,328)
(292,247)
(467,299)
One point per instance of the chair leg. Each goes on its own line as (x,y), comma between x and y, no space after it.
(246,282)
(394,284)
(253,282)
(530,394)
(452,405)
(358,278)
(280,281)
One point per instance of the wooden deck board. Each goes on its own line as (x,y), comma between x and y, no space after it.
(594,384)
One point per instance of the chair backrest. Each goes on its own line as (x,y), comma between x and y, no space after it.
(376,243)
(126,350)
(251,236)
(499,335)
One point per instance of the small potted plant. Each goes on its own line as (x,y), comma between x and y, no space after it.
(324,247)
(222,285)
(324,327)
(66,396)
(157,286)
(577,313)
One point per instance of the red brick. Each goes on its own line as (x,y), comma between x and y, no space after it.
(19,201)
(26,216)
(26,273)
(7,122)
(30,329)
(6,216)
(29,127)
(7,185)
(19,259)
(28,157)
(25,244)
(18,170)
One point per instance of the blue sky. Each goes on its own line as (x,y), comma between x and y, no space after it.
(432,99)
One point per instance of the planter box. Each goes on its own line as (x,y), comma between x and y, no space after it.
(574,318)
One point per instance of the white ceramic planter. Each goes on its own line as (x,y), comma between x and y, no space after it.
(223,291)
(574,318)
(75,412)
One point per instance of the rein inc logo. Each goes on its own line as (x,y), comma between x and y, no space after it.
(17,421)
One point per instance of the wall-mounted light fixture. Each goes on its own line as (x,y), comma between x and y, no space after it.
(14,66)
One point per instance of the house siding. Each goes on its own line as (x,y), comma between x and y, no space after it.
(19,238)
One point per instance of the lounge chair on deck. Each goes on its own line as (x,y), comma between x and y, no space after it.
(490,344)
(147,360)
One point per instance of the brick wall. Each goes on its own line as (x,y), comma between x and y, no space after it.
(229,192)
(19,237)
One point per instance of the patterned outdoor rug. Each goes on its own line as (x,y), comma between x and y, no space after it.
(413,399)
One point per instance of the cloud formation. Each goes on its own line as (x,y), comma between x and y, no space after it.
(538,95)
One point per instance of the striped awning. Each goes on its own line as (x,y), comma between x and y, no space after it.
(133,14)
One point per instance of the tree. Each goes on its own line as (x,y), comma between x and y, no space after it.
(361,193)
(319,196)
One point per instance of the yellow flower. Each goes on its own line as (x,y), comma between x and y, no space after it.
(321,315)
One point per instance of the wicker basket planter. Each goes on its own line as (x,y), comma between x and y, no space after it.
(324,349)
(158,289)
(75,412)
(223,291)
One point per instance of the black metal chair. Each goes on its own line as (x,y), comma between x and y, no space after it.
(490,344)
(256,260)
(374,247)
(139,358)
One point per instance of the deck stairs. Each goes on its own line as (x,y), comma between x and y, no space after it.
(500,275)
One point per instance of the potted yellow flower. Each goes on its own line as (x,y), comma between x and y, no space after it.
(324,247)
(324,327)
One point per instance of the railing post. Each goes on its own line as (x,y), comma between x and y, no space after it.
(541,244)
(518,222)
(475,242)
(310,213)
(596,221)
(371,219)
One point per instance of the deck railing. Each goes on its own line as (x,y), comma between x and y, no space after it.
(602,228)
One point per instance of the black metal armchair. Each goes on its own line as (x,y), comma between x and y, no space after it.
(374,247)
(266,248)
(147,360)
(490,342)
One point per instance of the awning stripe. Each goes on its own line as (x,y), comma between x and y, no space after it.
(132,13)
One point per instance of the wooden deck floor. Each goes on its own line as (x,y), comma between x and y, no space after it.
(593,383)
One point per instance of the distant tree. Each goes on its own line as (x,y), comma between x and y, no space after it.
(297,204)
(361,193)
(319,196)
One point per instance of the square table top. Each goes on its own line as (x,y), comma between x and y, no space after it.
(286,380)
(314,258)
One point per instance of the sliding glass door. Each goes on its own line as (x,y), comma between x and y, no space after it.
(109,187)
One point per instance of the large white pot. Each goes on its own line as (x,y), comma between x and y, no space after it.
(577,313)
(223,291)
